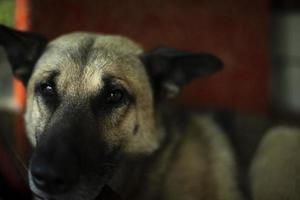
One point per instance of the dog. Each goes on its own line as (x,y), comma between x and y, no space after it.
(99,118)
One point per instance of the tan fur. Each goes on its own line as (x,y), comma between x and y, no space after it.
(204,167)
(276,167)
(196,164)
(113,56)
(168,158)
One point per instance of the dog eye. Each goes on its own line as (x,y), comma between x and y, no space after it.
(114,96)
(47,89)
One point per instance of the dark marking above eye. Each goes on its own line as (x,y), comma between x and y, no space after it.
(136,129)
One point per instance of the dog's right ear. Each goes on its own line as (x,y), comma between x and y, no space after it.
(23,49)
(170,69)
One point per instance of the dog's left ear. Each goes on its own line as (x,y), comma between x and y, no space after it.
(23,50)
(170,69)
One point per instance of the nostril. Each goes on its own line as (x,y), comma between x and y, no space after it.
(55,171)
(60,184)
(38,180)
(48,180)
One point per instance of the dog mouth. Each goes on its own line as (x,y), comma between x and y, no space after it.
(80,191)
(86,188)
(108,193)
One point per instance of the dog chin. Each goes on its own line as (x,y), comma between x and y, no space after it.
(77,193)
(66,196)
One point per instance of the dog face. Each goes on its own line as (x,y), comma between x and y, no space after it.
(91,105)
(90,99)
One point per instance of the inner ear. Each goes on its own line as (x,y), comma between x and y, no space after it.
(23,50)
(170,69)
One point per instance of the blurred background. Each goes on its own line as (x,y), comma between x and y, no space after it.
(257,40)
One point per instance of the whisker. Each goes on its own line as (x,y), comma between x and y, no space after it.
(20,164)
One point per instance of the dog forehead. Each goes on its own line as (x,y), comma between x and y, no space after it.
(81,47)
(78,40)
(88,58)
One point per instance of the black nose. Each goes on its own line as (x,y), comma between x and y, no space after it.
(54,176)
(51,181)
(54,165)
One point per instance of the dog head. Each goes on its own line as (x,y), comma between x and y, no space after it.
(91,104)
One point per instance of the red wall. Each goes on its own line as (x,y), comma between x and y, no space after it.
(235,30)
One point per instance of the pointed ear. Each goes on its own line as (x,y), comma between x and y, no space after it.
(23,50)
(170,69)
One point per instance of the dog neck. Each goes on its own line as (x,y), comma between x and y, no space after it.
(142,179)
